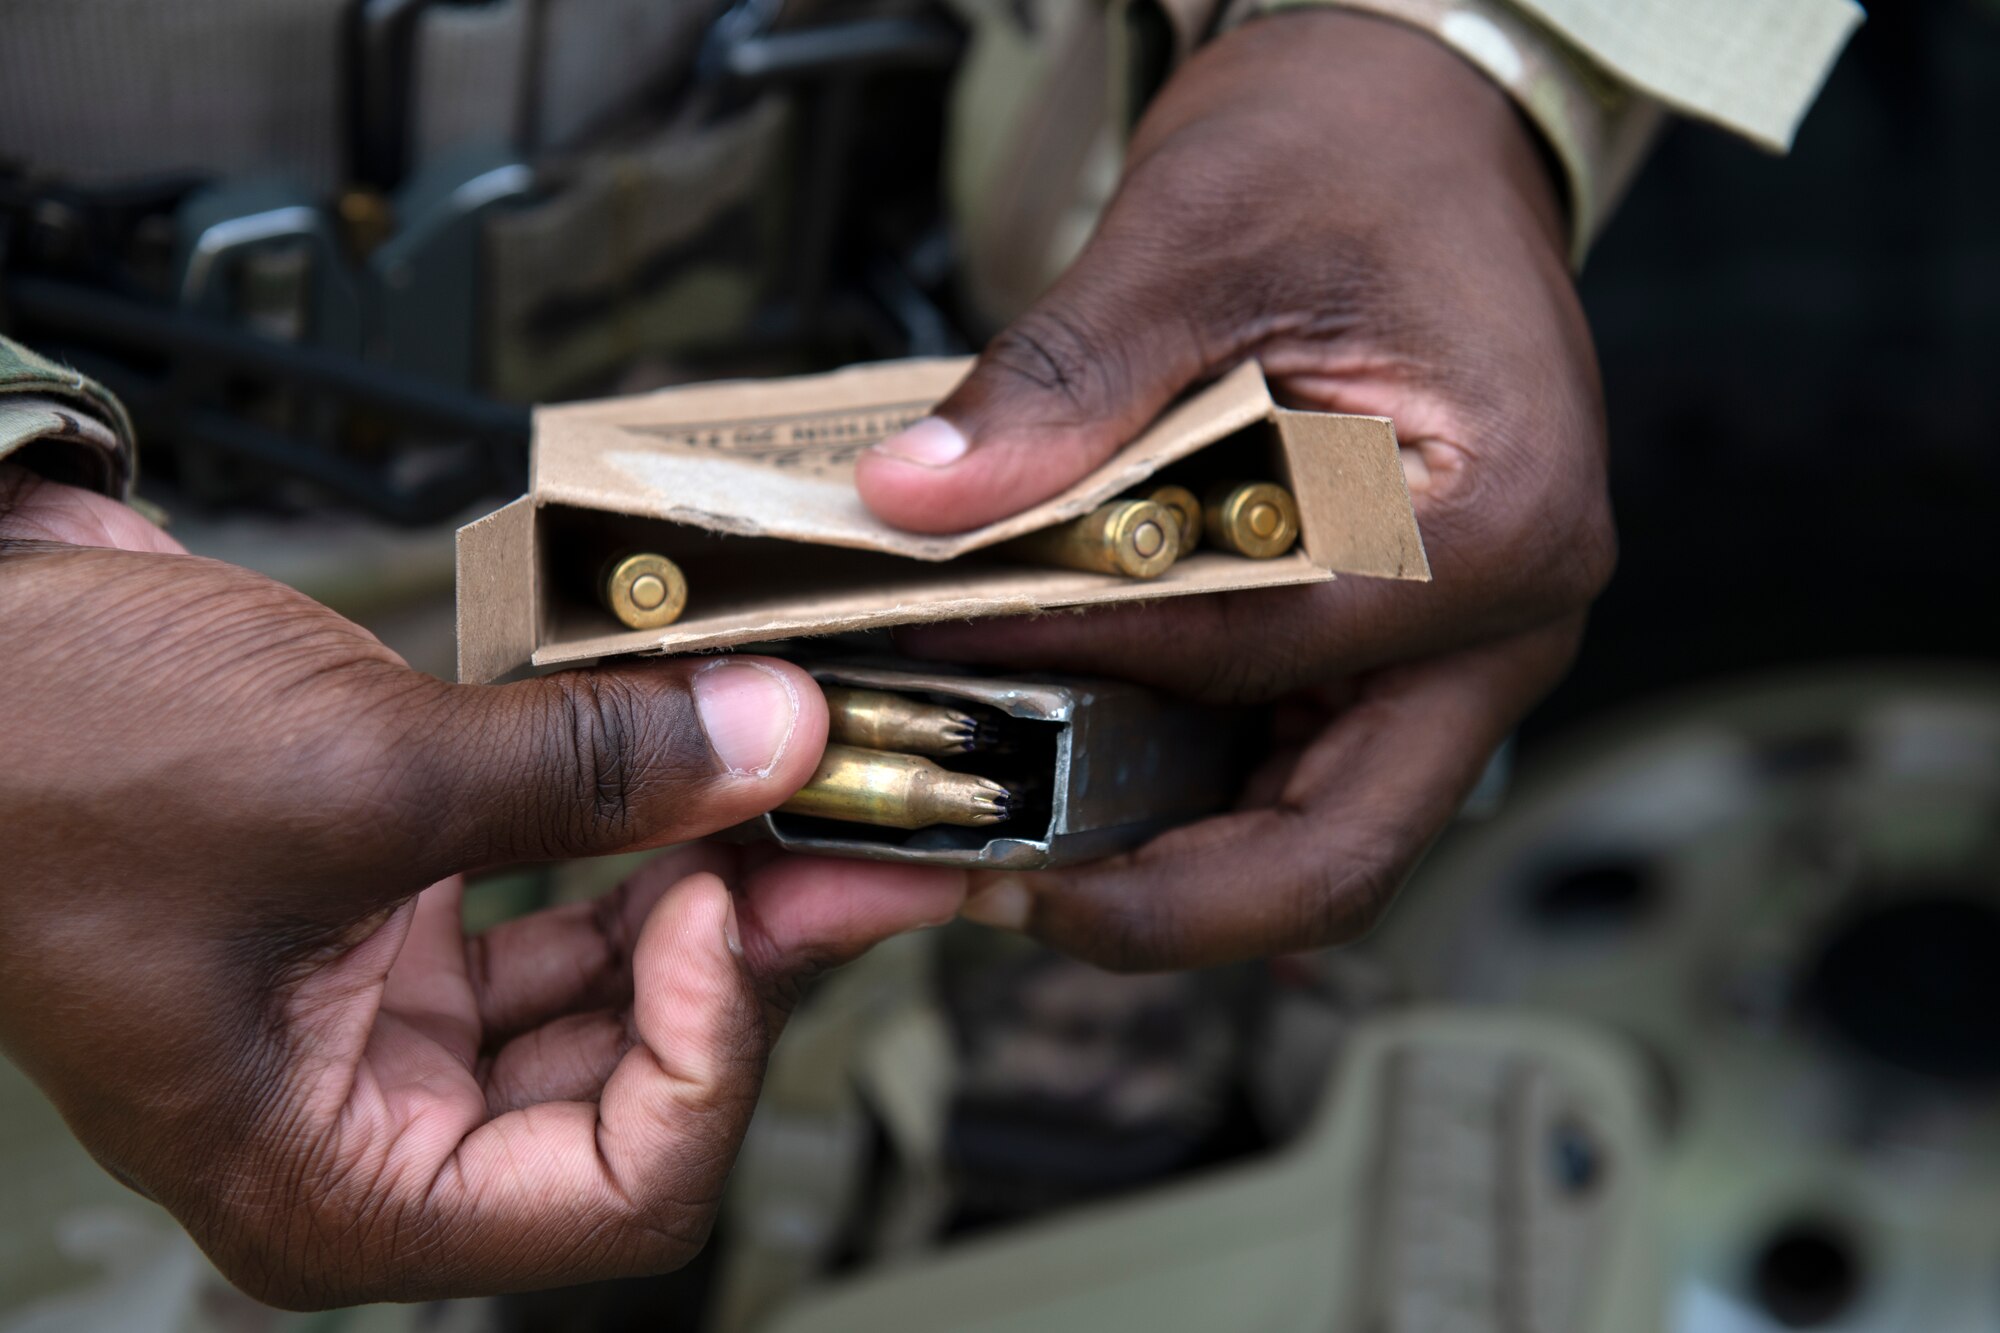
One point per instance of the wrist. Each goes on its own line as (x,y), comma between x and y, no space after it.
(1594,125)
(1392,120)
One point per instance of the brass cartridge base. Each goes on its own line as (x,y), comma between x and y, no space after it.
(1258,519)
(1186,509)
(645,591)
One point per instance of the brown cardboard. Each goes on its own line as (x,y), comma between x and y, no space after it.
(496,591)
(749,485)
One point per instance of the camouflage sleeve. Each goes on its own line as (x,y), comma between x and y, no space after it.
(1597,77)
(63,425)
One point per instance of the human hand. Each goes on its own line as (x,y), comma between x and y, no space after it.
(221,806)
(1346,201)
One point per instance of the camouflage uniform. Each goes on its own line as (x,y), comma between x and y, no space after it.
(63,425)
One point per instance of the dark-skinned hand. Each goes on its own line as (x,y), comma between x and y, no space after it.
(1349,203)
(222,805)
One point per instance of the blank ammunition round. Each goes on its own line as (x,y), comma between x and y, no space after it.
(890,790)
(1186,509)
(879,720)
(1136,538)
(1259,519)
(645,591)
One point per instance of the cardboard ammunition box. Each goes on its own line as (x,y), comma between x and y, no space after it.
(749,487)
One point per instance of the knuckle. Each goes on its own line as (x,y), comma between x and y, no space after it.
(1237,678)
(1574,557)
(599,723)
(1133,954)
(783,988)
(599,761)
(1130,939)
(1059,356)
(627,1240)
(1341,902)
(678,1224)
(1549,537)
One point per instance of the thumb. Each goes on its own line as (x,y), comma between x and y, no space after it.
(1053,396)
(590,762)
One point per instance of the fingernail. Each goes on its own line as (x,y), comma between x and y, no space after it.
(730,938)
(932,442)
(1416,469)
(1004,903)
(748,711)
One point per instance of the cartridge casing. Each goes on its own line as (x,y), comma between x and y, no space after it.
(745,485)
(1186,509)
(1136,538)
(904,791)
(1258,519)
(881,720)
(1090,768)
(644,590)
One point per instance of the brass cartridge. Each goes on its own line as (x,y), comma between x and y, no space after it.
(1136,538)
(1258,519)
(879,720)
(645,591)
(903,791)
(1186,509)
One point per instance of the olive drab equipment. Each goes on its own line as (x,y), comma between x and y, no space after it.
(347,241)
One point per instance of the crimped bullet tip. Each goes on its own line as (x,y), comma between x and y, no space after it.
(990,803)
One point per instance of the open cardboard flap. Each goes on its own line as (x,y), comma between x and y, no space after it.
(749,485)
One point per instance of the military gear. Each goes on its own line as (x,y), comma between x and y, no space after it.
(63,425)
(1788,894)
(1461,1173)
(518,201)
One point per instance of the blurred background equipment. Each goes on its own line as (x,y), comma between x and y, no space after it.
(1787,897)
(340,263)
(1464,1173)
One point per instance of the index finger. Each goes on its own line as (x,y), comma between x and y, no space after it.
(574,1190)
(1320,864)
